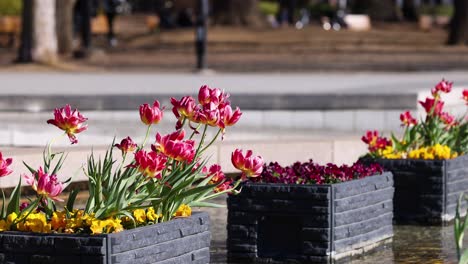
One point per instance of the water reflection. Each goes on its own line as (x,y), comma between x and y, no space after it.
(417,244)
(411,244)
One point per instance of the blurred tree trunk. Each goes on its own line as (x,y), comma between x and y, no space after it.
(459,24)
(410,11)
(64,17)
(380,10)
(45,38)
(236,12)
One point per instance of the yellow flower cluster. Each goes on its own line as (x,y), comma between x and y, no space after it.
(38,223)
(435,152)
(143,217)
(110,225)
(389,153)
(79,222)
(34,222)
(6,224)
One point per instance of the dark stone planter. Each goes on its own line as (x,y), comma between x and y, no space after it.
(183,240)
(426,191)
(309,223)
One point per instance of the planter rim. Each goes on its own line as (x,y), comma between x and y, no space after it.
(423,160)
(385,173)
(162,225)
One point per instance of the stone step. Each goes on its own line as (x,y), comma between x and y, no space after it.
(323,102)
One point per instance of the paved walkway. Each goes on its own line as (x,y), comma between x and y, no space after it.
(399,47)
(66,84)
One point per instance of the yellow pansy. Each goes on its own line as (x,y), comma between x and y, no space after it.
(58,221)
(96,226)
(151,215)
(140,216)
(4,226)
(183,211)
(35,222)
(389,153)
(11,218)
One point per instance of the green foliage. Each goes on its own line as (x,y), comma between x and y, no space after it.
(438,10)
(444,10)
(460,227)
(10,7)
(321,9)
(116,189)
(14,202)
(112,193)
(268,7)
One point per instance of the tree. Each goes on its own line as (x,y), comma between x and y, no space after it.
(44,32)
(235,12)
(459,24)
(64,17)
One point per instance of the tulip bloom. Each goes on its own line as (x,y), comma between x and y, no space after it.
(4,166)
(443,86)
(72,122)
(210,117)
(150,164)
(448,119)
(186,107)
(432,107)
(465,95)
(249,165)
(223,186)
(126,145)
(229,117)
(173,146)
(212,97)
(216,174)
(45,184)
(162,141)
(374,141)
(407,119)
(150,115)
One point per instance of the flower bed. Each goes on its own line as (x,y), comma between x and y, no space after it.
(183,240)
(135,201)
(429,163)
(309,222)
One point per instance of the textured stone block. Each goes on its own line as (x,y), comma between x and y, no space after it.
(309,223)
(426,191)
(183,240)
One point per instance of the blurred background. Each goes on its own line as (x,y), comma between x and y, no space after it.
(318,72)
(310,76)
(244,35)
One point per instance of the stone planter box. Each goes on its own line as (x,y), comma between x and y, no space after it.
(426,191)
(310,223)
(183,240)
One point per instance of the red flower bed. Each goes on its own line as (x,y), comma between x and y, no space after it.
(313,173)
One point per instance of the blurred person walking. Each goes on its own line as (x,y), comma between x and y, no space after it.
(110,8)
(286,12)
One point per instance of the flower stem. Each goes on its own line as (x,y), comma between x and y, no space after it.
(194,132)
(146,137)
(202,140)
(124,156)
(212,141)
(49,146)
